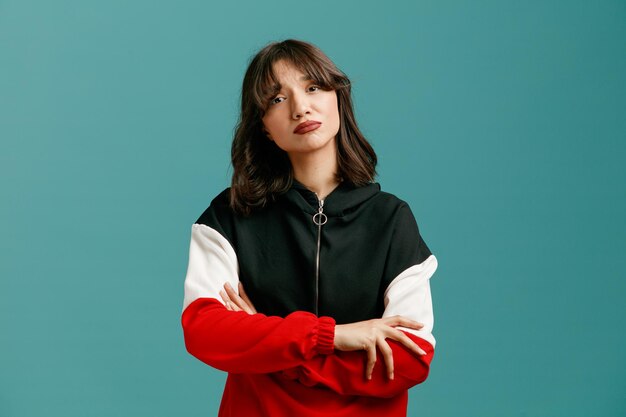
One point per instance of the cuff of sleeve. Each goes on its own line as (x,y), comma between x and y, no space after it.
(326,335)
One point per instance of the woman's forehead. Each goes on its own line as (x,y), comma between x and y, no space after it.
(289,72)
(283,70)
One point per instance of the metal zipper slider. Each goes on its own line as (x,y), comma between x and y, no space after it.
(320,218)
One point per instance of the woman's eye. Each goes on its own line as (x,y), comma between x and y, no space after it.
(275,100)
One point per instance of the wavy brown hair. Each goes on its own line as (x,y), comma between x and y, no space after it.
(261,170)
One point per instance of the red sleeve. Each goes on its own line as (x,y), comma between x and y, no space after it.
(242,343)
(235,341)
(344,372)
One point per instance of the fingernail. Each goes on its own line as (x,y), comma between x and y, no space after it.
(421,352)
(391,376)
(228,285)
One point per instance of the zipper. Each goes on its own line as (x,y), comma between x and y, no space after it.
(319,219)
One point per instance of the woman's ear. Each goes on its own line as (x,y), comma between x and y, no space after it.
(267,134)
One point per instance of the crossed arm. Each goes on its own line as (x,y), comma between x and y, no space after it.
(313,350)
(349,371)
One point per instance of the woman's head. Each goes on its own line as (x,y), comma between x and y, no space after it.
(302,117)
(262,169)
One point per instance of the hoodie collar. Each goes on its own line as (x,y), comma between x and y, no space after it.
(344,197)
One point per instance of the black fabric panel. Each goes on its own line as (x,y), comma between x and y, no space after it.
(407,248)
(370,237)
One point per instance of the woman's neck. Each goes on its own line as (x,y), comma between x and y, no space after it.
(316,172)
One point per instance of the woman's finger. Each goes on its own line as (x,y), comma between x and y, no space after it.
(394,321)
(238,303)
(245,298)
(387,355)
(226,300)
(371,360)
(401,337)
(232,295)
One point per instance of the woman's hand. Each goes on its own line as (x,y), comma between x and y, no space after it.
(237,302)
(371,334)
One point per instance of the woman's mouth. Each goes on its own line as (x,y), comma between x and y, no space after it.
(307,127)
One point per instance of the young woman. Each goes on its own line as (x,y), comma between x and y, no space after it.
(307,283)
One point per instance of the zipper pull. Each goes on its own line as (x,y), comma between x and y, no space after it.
(320,218)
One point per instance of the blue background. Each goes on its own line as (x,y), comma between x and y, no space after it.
(502,124)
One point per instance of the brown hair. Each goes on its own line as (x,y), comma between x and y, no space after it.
(261,170)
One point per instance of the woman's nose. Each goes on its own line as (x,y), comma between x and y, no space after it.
(300,106)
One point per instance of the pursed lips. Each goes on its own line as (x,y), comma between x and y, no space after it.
(307,126)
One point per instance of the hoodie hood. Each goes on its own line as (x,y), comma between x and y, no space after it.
(345,197)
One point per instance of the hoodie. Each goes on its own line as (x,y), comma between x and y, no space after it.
(307,265)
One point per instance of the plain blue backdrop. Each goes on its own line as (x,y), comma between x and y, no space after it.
(502,124)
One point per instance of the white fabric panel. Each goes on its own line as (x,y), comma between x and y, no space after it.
(408,295)
(212,263)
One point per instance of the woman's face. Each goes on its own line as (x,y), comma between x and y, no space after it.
(301,100)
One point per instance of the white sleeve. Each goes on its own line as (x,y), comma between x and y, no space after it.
(212,263)
(408,295)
